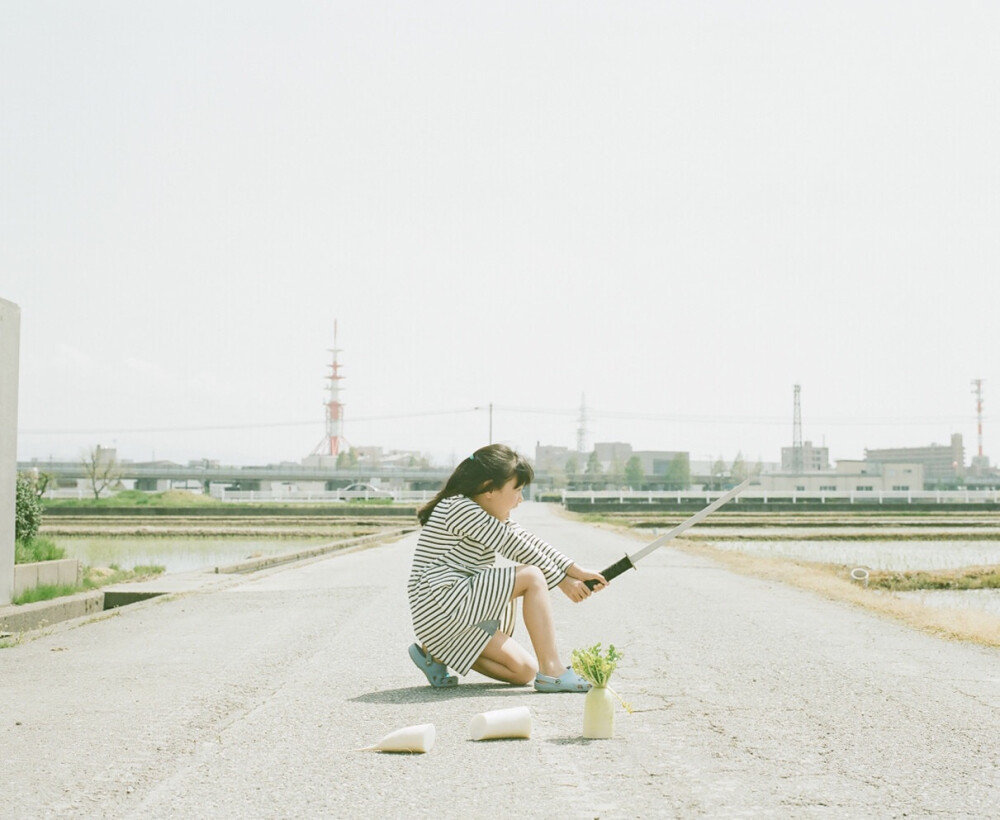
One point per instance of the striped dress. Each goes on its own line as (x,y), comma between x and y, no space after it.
(458,598)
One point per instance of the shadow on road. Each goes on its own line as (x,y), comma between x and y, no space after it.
(425,694)
(571,741)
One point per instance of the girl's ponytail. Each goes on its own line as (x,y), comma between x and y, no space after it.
(489,468)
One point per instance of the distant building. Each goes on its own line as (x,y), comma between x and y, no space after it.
(405,458)
(806,458)
(655,463)
(612,452)
(849,476)
(981,474)
(361,458)
(942,464)
(320,461)
(660,467)
(665,462)
(549,459)
(980,466)
(377,457)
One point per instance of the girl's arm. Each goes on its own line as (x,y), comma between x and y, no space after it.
(526,548)
(467,519)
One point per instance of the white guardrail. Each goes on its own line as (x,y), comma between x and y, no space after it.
(793,496)
(323,496)
(622,496)
(318,496)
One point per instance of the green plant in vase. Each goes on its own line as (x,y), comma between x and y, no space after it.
(597,666)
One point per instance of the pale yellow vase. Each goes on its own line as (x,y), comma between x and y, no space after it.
(599,713)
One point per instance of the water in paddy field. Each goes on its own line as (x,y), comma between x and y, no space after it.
(177,554)
(985,600)
(882,555)
(894,555)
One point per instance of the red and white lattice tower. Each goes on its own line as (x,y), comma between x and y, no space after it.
(334,406)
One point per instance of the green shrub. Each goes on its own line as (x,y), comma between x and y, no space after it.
(37,549)
(28,515)
(131,498)
(146,570)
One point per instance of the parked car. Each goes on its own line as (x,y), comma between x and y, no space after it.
(359,490)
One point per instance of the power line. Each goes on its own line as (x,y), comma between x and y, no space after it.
(722,419)
(568,413)
(249,426)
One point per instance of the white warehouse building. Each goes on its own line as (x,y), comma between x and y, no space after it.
(849,476)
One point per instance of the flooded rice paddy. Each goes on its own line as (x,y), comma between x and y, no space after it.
(182,543)
(985,600)
(178,554)
(892,555)
(896,543)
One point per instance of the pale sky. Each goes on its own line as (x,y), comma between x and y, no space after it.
(678,209)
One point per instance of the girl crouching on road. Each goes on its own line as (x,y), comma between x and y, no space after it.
(463,605)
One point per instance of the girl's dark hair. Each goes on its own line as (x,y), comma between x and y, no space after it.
(489,468)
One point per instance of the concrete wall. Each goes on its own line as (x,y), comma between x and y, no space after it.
(64,572)
(10,339)
(44,613)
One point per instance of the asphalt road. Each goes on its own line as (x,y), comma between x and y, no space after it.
(252,697)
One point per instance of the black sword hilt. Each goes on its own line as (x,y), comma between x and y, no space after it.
(613,571)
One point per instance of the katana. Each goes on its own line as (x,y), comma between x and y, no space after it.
(629,561)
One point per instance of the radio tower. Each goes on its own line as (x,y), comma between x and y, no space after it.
(330,445)
(797,433)
(581,430)
(977,389)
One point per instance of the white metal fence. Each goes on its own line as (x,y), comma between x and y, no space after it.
(323,496)
(621,496)
(792,496)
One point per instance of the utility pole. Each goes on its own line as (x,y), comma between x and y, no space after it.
(489,409)
(10,336)
(581,429)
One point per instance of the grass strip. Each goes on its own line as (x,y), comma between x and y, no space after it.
(97,577)
(139,498)
(45,592)
(965,578)
(93,578)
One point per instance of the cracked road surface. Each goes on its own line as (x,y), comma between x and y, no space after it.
(252,698)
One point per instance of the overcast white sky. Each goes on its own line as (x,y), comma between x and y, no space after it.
(678,209)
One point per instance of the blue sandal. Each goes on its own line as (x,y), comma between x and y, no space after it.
(568,681)
(437,673)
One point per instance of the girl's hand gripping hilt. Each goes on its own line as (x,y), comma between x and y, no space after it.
(613,571)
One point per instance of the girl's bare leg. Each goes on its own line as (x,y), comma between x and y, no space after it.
(529,583)
(503,658)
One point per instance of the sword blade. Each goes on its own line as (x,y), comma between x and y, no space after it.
(629,561)
(701,515)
